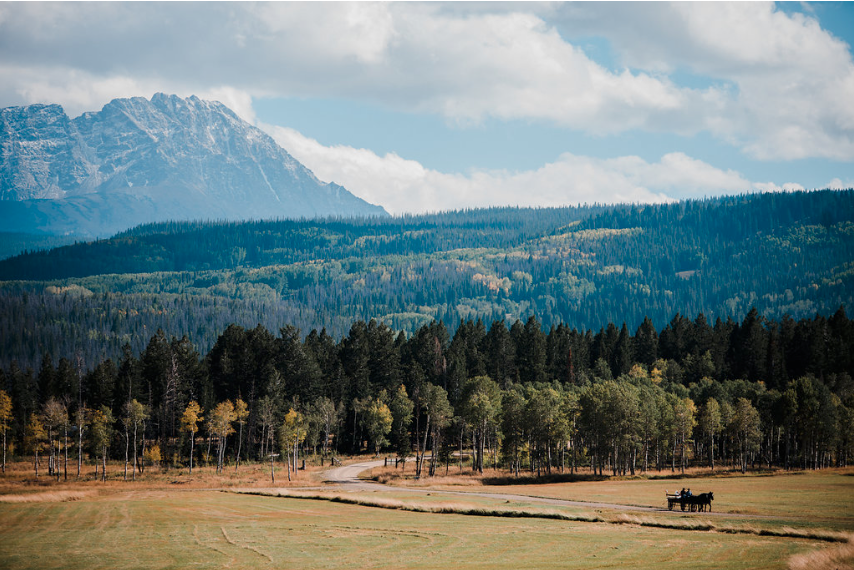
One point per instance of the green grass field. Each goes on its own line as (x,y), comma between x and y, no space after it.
(156,523)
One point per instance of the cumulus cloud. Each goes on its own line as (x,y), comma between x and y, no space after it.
(357,31)
(76,90)
(772,187)
(776,85)
(237,100)
(80,91)
(838,184)
(401,185)
(785,83)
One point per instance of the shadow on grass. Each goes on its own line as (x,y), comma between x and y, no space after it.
(528,479)
(722,474)
(543,479)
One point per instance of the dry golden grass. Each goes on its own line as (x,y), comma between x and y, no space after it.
(706,525)
(620,519)
(457,508)
(825,497)
(801,502)
(406,477)
(20,477)
(47,497)
(202,529)
(837,557)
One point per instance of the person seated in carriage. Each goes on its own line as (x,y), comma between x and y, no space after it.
(687,493)
(681,493)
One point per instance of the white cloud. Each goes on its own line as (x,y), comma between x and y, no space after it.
(774,84)
(402,185)
(683,176)
(838,184)
(238,101)
(515,65)
(353,30)
(80,91)
(772,187)
(76,90)
(791,82)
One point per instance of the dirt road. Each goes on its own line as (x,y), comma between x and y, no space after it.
(347,477)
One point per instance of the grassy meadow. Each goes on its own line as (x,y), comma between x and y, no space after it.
(170,520)
(20,478)
(208,529)
(823,498)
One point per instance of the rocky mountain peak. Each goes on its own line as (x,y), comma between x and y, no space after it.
(176,158)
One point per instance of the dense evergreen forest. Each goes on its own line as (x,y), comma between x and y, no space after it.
(12,244)
(784,254)
(755,393)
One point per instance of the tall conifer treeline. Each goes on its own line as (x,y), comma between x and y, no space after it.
(755,392)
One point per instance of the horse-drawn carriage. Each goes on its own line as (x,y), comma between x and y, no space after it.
(693,503)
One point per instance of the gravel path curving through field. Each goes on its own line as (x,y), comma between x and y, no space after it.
(347,477)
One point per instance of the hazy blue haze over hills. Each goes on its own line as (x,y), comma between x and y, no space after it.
(140,160)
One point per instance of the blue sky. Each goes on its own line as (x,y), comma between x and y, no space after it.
(422,107)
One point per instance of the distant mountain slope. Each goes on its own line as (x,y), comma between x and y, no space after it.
(780,253)
(139,161)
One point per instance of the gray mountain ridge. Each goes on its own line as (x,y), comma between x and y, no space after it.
(140,160)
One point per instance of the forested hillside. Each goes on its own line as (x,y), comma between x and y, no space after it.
(619,338)
(785,254)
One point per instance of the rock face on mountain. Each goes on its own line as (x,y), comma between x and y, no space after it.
(138,161)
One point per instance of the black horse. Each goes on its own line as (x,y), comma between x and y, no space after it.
(701,501)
